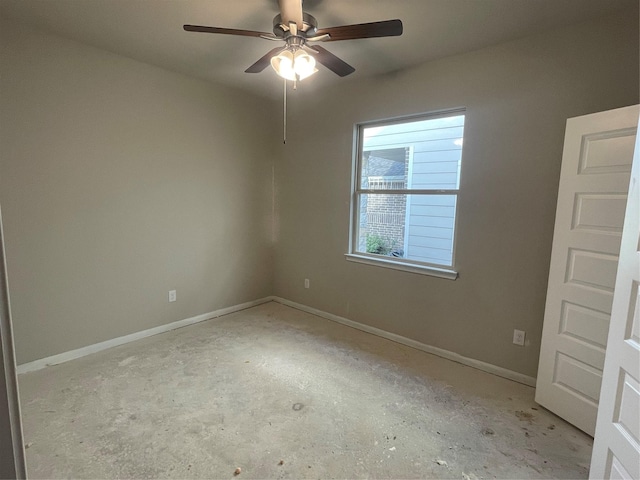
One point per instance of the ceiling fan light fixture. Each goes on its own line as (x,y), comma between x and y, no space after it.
(294,66)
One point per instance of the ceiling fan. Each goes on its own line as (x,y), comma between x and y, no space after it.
(297,58)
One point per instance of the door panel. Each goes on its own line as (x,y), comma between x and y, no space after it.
(594,180)
(616,449)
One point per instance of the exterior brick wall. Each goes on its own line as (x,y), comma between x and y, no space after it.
(386,218)
(384,214)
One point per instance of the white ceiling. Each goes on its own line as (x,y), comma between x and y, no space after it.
(151,31)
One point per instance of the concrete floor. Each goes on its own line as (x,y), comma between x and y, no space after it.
(283,394)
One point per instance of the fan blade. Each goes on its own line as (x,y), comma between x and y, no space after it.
(226,31)
(387,28)
(333,63)
(264,62)
(291,11)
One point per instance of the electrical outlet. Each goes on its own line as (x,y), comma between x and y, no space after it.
(172,295)
(306,283)
(518,337)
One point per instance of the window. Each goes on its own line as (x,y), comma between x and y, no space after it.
(406,185)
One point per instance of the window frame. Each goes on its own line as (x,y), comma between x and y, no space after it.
(413,266)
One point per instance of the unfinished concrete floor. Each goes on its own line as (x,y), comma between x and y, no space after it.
(282,394)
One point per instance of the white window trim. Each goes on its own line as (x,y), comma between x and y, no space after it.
(385,262)
(353,254)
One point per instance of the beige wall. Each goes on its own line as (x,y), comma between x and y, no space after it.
(518,96)
(120,181)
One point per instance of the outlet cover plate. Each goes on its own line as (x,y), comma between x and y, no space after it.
(518,337)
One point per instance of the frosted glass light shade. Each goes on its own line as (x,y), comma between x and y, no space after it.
(283,65)
(304,64)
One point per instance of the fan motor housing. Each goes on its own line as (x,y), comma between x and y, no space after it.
(309,26)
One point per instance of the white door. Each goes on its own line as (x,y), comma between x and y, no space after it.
(616,449)
(594,180)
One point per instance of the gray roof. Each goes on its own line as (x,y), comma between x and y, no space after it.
(384,167)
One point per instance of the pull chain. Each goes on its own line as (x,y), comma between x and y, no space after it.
(284,114)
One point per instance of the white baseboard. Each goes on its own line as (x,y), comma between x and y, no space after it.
(88,350)
(96,347)
(486,367)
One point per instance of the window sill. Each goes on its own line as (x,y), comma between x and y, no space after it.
(405,267)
